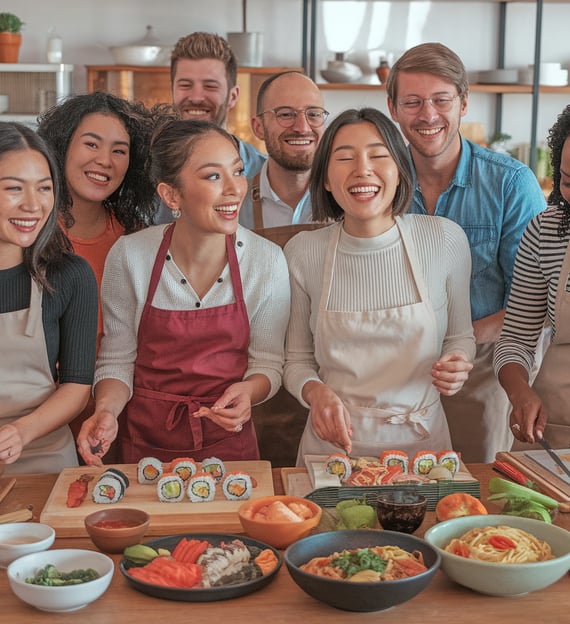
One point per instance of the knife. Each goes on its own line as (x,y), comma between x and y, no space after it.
(554,456)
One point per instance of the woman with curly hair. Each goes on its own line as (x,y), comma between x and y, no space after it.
(48,312)
(540,294)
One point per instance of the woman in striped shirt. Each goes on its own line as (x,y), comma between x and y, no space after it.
(540,293)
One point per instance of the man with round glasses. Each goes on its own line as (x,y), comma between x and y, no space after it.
(492,196)
(290,120)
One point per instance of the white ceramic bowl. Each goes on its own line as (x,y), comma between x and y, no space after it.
(502,579)
(136,54)
(63,598)
(22,538)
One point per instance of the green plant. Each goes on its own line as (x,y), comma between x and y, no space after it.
(10,23)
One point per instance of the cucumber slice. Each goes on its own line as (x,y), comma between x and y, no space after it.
(513,490)
(527,509)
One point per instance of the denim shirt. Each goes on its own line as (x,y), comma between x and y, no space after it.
(492,197)
(252,162)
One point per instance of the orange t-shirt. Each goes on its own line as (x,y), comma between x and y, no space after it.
(95,251)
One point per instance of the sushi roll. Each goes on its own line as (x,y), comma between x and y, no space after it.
(184,467)
(110,487)
(215,467)
(237,486)
(449,460)
(423,462)
(339,465)
(170,488)
(149,470)
(201,487)
(395,458)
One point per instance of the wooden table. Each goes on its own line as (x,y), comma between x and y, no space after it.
(282,602)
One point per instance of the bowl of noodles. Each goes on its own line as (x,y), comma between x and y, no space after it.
(358,570)
(501,555)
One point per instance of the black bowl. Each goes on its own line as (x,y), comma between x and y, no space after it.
(372,596)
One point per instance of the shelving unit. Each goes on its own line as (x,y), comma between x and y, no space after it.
(310,14)
(31,88)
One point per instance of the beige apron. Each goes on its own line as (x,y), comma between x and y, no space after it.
(379,363)
(552,384)
(25,386)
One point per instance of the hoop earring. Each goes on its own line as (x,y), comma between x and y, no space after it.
(176,214)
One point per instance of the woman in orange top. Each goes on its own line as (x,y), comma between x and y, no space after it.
(101,143)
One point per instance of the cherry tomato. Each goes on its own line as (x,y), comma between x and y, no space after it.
(501,542)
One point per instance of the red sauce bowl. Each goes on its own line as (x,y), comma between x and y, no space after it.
(112,530)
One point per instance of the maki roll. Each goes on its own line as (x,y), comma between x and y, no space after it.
(215,467)
(339,465)
(449,460)
(110,487)
(201,487)
(170,488)
(149,470)
(423,462)
(395,458)
(184,467)
(237,486)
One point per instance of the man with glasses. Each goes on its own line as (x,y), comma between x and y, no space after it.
(290,120)
(492,196)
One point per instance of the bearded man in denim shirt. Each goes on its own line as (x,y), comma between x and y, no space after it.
(492,196)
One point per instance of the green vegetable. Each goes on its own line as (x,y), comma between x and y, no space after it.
(50,576)
(355,514)
(522,501)
(358,560)
(526,509)
(139,553)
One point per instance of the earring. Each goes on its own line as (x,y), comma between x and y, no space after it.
(176,214)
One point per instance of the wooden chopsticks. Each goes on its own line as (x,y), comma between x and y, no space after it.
(7,489)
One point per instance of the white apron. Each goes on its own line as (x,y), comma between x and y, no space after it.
(25,383)
(379,363)
(552,384)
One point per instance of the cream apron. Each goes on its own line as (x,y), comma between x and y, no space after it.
(26,385)
(552,384)
(379,363)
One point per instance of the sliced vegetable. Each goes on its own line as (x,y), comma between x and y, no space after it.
(140,553)
(502,542)
(514,490)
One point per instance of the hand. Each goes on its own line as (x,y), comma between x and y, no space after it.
(96,435)
(528,416)
(330,418)
(11,444)
(232,410)
(450,372)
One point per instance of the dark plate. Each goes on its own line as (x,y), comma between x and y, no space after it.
(212,594)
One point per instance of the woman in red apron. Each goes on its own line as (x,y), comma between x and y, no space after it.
(541,294)
(380,322)
(195,314)
(48,313)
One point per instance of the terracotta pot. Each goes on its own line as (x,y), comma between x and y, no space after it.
(10,47)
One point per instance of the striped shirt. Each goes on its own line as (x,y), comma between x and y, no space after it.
(533,291)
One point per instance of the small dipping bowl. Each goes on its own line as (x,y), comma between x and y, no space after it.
(400,510)
(22,538)
(112,530)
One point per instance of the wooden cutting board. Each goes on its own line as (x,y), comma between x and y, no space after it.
(220,515)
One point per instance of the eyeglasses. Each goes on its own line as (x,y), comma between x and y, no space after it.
(286,115)
(441,103)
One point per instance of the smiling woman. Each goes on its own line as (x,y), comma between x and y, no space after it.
(48,304)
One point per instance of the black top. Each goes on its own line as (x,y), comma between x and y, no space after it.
(69,316)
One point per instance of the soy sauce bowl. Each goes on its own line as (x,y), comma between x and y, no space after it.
(401,510)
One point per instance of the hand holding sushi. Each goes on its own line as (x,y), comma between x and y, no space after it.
(330,418)
(450,372)
(96,435)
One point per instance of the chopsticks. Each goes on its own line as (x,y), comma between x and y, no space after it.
(7,489)
(22,515)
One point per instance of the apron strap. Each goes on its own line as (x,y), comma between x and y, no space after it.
(256,202)
(34,310)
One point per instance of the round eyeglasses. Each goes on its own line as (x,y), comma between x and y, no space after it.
(287,115)
(441,103)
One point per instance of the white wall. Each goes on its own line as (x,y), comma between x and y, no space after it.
(89,27)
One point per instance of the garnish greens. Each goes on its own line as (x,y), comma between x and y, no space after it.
(352,562)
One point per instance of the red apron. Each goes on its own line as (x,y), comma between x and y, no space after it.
(187,359)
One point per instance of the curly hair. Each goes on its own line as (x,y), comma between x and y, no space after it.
(557,135)
(132,203)
(204,45)
(325,206)
(51,245)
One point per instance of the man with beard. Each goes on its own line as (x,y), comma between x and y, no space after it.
(291,120)
(203,77)
(492,196)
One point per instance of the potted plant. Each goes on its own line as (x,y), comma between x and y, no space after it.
(10,37)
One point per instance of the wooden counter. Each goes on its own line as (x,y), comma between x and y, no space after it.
(282,602)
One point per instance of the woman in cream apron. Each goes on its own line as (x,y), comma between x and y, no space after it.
(379,364)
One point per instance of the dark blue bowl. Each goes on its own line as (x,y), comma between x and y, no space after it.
(370,596)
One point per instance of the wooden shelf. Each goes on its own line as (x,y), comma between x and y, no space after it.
(474,88)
